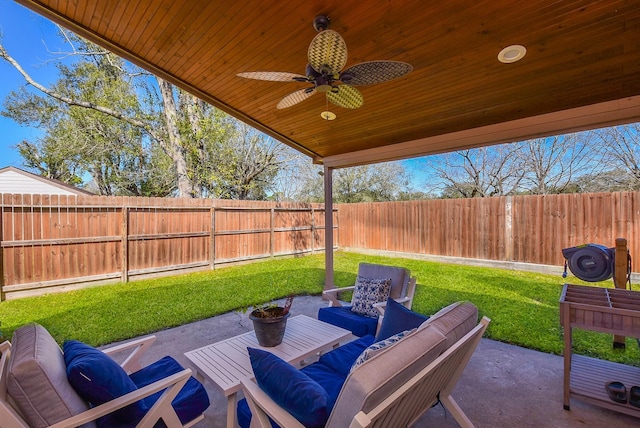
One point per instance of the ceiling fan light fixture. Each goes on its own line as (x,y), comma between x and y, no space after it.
(327,56)
(328,115)
(321,22)
(512,54)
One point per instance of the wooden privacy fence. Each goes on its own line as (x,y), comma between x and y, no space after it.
(529,229)
(60,242)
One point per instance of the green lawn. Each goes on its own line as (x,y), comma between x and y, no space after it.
(523,306)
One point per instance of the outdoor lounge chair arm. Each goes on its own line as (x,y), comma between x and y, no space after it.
(262,407)
(161,409)
(332,295)
(132,362)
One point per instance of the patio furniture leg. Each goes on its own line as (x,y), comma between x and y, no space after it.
(232,402)
(199,376)
(451,405)
(567,358)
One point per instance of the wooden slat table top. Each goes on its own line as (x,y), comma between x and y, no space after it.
(601,297)
(227,361)
(607,310)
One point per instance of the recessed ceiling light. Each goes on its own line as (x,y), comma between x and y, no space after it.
(512,53)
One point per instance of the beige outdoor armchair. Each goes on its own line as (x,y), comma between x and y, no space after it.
(373,396)
(403,287)
(34,368)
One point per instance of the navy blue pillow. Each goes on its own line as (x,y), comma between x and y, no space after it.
(398,318)
(342,358)
(293,390)
(97,378)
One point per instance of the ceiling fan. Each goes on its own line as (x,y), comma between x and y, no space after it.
(327,56)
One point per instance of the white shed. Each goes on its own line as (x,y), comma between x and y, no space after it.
(15,180)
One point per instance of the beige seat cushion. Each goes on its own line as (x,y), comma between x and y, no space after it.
(372,381)
(37,379)
(454,321)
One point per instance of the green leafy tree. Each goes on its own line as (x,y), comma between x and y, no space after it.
(81,136)
(135,134)
(366,183)
(616,180)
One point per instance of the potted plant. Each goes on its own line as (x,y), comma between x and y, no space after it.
(270,321)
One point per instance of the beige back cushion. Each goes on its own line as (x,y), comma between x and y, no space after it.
(454,321)
(375,379)
(399,277)
(37,379)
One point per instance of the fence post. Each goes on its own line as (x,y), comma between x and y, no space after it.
(212,240)
(272,233)
(313,230)
(620,278)
(508,232)
(125,243)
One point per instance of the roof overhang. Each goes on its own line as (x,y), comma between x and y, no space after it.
(581,70)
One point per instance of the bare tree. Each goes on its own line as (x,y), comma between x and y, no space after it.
(620,150)
(247,166)
(482,172)
(552,164)
(292,178)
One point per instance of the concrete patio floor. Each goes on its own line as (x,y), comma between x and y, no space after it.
(502,386)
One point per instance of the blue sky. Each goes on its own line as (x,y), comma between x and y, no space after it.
(23,35)
(32,40)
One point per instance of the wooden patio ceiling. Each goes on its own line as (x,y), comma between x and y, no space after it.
(581,70)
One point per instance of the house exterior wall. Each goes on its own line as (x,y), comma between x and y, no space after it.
(14,180)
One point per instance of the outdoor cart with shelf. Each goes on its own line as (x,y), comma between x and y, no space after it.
(606,310)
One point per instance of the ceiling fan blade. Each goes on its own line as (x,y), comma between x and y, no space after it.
(368,73)
(346,96)
(273,76)
(328,52)
(295,98)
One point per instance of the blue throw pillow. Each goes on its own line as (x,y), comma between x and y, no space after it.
(398,318)
(97,378)
(367,292)
(293,390)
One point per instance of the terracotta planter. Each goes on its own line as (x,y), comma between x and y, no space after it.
(269,325)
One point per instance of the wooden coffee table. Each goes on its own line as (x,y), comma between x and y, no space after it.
(226,362)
